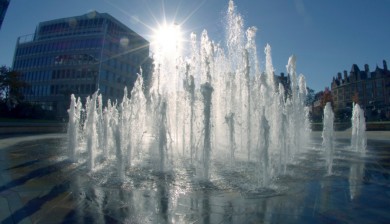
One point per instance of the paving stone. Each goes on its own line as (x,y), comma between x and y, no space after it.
(40,186)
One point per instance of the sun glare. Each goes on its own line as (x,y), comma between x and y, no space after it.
(168,39)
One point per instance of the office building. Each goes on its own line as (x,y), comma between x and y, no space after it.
(79,55)
(3,9)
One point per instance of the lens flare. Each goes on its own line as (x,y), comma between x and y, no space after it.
(168,39)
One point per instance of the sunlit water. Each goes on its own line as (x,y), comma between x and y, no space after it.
(328,136)
(213,121)
(358,139)
(215,105)
(215,140)
(357,191)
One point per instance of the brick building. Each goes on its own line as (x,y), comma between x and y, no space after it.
(371,89)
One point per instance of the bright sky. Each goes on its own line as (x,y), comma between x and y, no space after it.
(326,36)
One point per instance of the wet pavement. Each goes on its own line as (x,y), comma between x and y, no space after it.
(39,185)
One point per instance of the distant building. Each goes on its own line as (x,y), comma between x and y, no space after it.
(317,107)
(284,80)
(3,9)
(79,55)
(320,99)
(371,89)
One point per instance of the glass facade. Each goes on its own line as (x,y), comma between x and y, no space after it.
(79,55)
(3,9)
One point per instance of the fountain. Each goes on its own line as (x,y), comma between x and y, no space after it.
(328,136)
(359,139)
(217,93)
(215,139)
(73,127)
(213,107)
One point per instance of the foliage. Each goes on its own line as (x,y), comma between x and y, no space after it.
(355,98)
(326,97)
(12,104)
(319,101)
(25,110)
(11,86)
(310,98)
(343,115)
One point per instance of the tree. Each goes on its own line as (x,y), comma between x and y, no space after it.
(326,97)
(310,97)
(355,98)
(12,104)
(343,115)
(319,101)
(11,86)
(3,82)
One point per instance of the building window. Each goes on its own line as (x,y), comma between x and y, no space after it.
(107,75)
(379,89)
(369,90)
(103,89)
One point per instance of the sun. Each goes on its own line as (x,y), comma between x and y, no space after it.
(168,40)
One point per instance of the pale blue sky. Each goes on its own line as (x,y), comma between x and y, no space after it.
(326,36)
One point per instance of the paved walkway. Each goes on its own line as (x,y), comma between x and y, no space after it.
(371,135)
(26,179)
(38,185)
